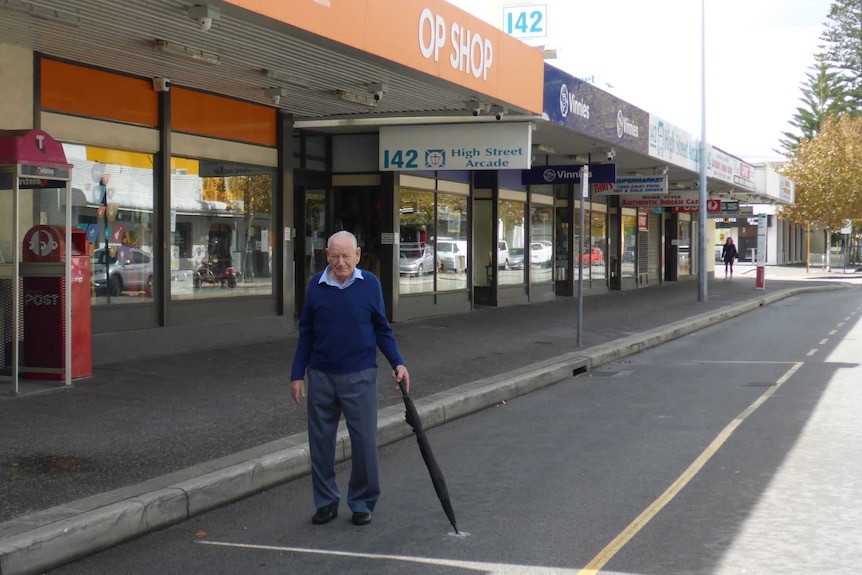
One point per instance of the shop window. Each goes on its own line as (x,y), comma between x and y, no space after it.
(223,230)
(182,240)
(510,234)
(684,254)
(541,249)
(416,250)
(433,253)
(630,241)
(452,236)
(597,247)
(114,191)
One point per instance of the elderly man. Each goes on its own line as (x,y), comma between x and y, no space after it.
(340,328)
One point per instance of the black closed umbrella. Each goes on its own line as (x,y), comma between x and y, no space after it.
(412,418)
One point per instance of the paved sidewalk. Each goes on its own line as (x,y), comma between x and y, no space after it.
(147,443)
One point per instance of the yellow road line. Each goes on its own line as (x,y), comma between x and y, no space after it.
(646,516)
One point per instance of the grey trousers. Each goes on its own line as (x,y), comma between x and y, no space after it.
(354,395)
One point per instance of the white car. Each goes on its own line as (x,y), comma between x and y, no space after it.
(451,255)
(541,253)
(502,255)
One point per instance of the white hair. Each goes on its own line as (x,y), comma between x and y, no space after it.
(343,234)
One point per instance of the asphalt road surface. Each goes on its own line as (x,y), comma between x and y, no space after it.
(733,450)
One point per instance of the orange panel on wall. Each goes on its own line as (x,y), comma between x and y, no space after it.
(218,117)
(97,94)
(431,36)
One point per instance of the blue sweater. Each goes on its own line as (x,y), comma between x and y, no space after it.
(340,329)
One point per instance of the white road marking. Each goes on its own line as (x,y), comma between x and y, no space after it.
(833,332)
(824,341)
(479,566)
(812,352)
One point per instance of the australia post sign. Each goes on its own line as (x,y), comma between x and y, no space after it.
(504,146)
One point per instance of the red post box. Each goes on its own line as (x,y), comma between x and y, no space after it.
(45,305)
(760,278)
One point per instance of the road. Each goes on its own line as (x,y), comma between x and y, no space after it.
(733,450)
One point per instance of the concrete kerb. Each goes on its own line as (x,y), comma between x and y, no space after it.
(35,549)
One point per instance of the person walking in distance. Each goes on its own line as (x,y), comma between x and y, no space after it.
(728,254)
(341,326)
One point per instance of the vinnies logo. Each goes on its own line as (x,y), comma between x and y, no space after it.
(569,103)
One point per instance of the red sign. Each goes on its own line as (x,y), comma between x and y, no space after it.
(643,222)
(712,206)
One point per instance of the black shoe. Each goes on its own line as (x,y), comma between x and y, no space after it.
(360,518)
(325,514)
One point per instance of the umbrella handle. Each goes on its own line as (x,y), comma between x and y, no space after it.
(401,387)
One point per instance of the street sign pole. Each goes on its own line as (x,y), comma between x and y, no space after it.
(701,220)
(585,186)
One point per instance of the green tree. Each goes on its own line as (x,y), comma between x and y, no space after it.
(843,36)
(822,95)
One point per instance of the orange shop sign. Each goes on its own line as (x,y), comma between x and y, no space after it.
(430,36)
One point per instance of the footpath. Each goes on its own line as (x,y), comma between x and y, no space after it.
(151,442)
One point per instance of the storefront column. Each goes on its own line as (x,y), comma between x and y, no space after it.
(162,208)
(285,224)
(390,199)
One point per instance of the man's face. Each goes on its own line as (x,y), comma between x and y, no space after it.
(343,258)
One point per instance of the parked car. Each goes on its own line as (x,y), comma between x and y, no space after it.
(541,253)
(131,269)
(502,255)
(593,256)
(451,255)
(414,259)
(516,258)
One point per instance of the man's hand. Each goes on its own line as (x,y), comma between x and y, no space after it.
(400,374)
(297,389)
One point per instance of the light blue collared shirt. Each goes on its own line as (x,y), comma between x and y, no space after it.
(325,279)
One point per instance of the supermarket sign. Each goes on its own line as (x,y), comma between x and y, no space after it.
(650,185)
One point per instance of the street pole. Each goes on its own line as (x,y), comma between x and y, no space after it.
(701,212)
(585,183)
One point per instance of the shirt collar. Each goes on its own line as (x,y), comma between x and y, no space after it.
(325,279)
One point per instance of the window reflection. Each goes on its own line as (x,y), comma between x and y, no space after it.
(510,234)
(416,261)
(433,242)
(221,229)
(684,253)
(597,248)
(630,236)
(452,249)
(541,244)
(112,194)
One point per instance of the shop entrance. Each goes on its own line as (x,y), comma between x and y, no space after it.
(321,213)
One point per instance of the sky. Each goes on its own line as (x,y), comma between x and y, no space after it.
(648,53)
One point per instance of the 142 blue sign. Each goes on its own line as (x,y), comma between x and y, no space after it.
(526,21)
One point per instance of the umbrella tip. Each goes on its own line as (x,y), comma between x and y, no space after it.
(459,533)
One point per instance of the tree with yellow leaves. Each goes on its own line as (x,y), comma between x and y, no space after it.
(827,171)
